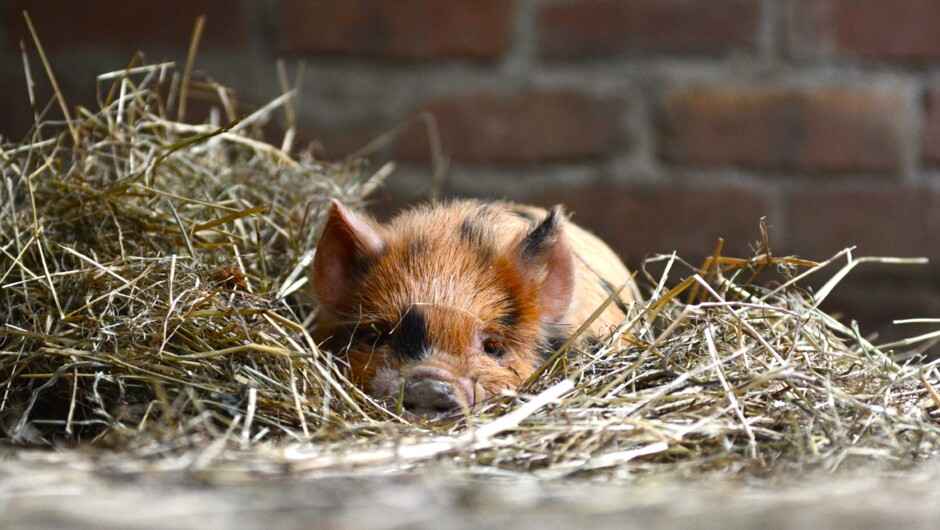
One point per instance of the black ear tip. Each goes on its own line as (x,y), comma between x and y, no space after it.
(557,214)
(543,235)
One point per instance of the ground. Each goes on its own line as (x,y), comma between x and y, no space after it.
(43,490)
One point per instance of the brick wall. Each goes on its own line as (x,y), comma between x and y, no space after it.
(663,124)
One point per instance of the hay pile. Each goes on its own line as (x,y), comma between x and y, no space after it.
(152,301)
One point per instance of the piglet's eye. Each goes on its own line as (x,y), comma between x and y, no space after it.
(374,335)
(494,348)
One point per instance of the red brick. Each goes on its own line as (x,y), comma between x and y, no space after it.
(530,127)
(831,130)
(930,142)
(887,221)
(900,222)
(125,25)
(637,222)
(403,29)
(599,28)
(897,30)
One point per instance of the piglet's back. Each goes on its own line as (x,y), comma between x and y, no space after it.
(598,272)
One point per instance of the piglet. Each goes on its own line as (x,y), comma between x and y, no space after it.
(451,303)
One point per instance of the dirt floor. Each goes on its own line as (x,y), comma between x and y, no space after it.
(42,490)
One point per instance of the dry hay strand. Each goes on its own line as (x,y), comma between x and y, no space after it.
(152,280)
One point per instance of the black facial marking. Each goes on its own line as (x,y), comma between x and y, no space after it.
(539,239)
(409,339)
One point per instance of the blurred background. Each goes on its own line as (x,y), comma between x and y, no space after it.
(661,124)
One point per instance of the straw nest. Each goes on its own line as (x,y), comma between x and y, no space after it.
(153,303)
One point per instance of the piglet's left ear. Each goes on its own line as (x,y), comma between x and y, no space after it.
(546,261)
(349,243)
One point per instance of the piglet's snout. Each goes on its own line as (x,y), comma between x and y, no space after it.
(429,396)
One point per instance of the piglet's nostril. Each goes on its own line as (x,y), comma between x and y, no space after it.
(429,395)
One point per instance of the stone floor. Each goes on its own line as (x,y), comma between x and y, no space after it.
(39,492)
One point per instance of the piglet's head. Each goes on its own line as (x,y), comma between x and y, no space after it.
(445,306)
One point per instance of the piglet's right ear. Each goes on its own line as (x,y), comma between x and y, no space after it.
(348,244)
